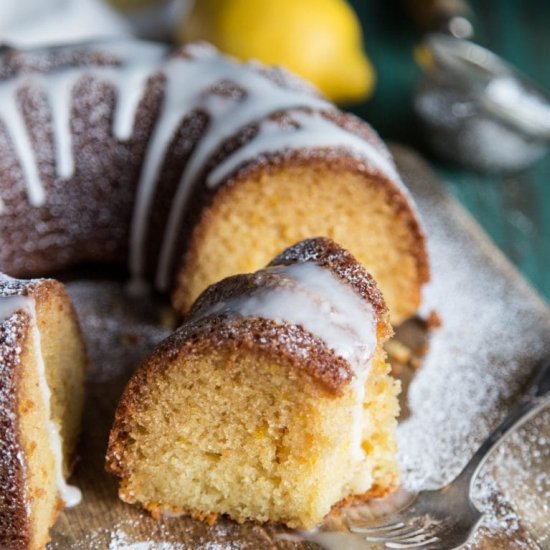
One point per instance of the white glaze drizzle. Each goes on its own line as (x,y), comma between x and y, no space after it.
(139,62)
(318,301)
(314,131)
(9,305)
(187,86)
(59,88)
(263,97)
(129,82)
(328,308)
(183,79)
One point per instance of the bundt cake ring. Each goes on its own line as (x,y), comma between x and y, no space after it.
(188,167)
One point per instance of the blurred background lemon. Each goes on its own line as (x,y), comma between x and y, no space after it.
(320,40)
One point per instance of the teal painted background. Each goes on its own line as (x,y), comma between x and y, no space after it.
(514,210)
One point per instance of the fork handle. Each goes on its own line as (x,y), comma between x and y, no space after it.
(532,402)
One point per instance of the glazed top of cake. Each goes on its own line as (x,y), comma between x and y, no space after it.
(235,115)
(319,290)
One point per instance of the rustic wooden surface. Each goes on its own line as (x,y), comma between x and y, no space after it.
(101,521)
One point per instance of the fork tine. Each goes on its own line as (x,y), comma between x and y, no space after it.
(384,527)
(410,544)
(404,534)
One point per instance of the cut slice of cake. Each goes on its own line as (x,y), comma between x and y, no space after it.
(281,189)
(272,402)
(42,368)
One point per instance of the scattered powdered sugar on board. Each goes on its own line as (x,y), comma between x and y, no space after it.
(121,541)
(521,468)
(133,534)
(494,330)
(478,360)
(116,326)
(125,536)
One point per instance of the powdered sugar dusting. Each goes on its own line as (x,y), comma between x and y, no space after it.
(520,468)
(495,331)
(121,541)
(145,533)
(117,326)
(13,502)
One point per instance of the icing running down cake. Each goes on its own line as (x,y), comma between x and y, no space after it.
(272,402)
(42,366)
(126,152)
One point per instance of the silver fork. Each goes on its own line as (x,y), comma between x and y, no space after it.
(446,518)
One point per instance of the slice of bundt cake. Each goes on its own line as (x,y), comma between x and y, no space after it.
(272,401)
(42,366)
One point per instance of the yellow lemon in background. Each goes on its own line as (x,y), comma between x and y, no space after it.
(319,40)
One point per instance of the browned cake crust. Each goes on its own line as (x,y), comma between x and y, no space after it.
(14,521)
(320,251)
(14,524)
(88,217)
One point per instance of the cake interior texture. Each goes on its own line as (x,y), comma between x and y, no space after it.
(55,350)
(247,434)
(65,361)
(266,209)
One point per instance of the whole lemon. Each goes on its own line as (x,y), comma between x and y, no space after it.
(319,40)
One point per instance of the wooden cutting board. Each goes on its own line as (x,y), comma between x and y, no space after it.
(494,330)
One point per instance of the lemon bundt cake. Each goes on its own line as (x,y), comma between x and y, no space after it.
(188,167)
(42,364)
(272,401)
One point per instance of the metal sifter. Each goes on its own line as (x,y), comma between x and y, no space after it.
(477,110)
